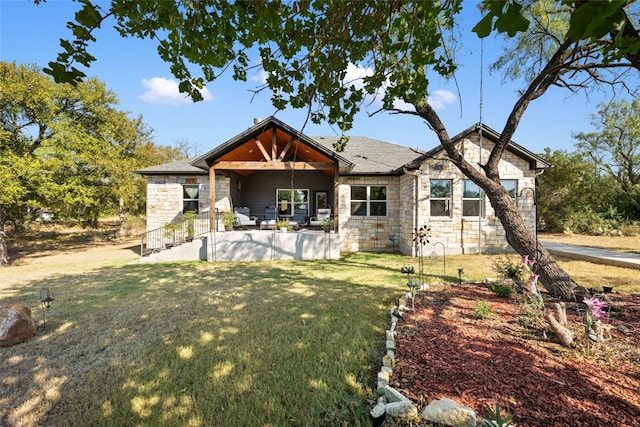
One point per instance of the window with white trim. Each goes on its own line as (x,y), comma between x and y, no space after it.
(471,198)
(292,202)
(368,200)
(190,197)
(440,197)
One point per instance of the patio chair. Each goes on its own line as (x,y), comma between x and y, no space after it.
(321,214)
(244,217)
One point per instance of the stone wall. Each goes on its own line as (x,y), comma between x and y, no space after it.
(164,197)
(462,234)
(370,234)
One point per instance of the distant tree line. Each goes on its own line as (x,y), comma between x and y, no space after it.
(596,189)
(68,150)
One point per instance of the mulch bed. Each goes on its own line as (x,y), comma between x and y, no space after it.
(511,361)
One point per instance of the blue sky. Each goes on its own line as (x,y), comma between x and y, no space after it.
(131,68)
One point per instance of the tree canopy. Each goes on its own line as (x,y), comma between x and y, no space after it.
(67,149)
(615,150)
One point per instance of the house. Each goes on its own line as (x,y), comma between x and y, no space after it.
(378,193)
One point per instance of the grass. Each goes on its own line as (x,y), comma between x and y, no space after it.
(272,344)
(283,343)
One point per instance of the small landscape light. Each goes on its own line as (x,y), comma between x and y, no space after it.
(46,300)
(460,273)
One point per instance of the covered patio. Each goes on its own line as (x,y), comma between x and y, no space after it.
(274,173)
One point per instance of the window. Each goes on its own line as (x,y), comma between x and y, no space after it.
(368,200)
(510,185)
(190,198)
(292,202)
(440,197)
(471,199)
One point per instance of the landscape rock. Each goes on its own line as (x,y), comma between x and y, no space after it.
(16,324)
(388,361)
(448,412)
(383,381)
(403,409)
(623,329)
(394,395)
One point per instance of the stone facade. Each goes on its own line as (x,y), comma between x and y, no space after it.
(408,205)
(461,234)
(373,233)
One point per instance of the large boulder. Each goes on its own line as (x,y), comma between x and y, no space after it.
(16,324)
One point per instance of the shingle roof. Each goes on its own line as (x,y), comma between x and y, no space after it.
(371,156)
(367,156)
(535,161)
(179,167)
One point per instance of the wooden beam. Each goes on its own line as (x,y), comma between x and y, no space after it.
(262,150)
(276,166)
(212,199)
(286,149)
(274,143)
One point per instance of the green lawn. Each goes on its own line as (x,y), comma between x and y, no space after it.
(279,343)
(270,344)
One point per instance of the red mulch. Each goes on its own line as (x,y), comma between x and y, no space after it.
(506,360)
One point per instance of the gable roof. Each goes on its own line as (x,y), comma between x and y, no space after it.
(361,156)
(279,131)
(535,161)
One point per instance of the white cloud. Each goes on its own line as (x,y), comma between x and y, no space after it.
(440,99)
(260,77)
(356,74)
(161,90)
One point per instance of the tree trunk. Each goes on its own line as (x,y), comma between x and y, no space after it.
(4,253)
(121,216)
(554,279)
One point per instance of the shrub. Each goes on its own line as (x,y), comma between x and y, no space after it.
(508,268)
(481,310)
(503,291)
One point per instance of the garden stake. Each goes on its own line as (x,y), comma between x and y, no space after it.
(408,271)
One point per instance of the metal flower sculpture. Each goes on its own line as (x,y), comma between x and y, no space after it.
(421,238)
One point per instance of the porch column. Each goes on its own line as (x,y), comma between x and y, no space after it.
(212,199)
(336,197)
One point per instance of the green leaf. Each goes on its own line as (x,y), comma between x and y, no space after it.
(594,19)
(88,16)
(484,26)
(512,21)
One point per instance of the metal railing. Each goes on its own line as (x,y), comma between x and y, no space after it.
(175,233)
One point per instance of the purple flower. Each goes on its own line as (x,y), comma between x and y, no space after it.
(596,306)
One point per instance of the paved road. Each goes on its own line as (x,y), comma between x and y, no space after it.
(600,256)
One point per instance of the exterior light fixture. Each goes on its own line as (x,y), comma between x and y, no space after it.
(460,273)
(45,300)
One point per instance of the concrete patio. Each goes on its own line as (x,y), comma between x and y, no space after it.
(252,245)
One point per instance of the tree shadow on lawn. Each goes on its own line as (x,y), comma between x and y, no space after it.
(198,343)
